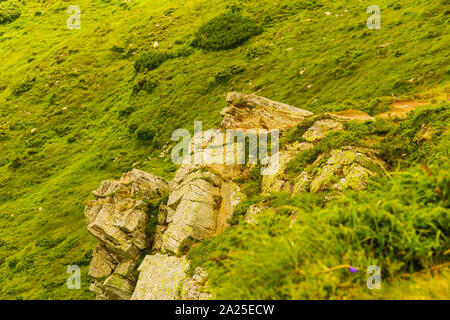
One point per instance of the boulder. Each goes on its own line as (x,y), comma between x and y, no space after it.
(160,277)
(117,287)
(193,205)
(302,183)
(143,185)
(321,128)
(120,225)
(107,188)
(231,195)
(118,219)
(248,111)
(103,263)
(348,167)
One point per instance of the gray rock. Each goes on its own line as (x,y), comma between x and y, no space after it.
(118,219)
(144,186)
(277,182)
(248,111)
(321,128)
(103,263)
(117,287)
(160,276)
(195,288)
(107,188)
(302,183)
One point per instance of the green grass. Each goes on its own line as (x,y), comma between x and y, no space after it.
(77,89)
(401,145)
(400,223)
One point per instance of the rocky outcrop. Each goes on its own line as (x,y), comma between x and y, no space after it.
(203,195)
(117,219)
(248,111)
(201,200)
(346,168)
(192,209)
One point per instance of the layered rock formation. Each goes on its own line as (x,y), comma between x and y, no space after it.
(348,167)
(345,168)
(203,195)
(248,111)
(195,288)
(278,181)
(117,219)
(202,198)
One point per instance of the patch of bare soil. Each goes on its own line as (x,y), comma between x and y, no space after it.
(351,115)
(400,109)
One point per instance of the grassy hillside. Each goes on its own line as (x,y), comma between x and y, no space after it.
(74,110)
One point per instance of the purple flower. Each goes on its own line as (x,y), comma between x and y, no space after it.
(353,270)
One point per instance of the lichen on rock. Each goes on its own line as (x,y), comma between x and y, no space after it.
(117,219)
(248,111)
(321,128)
(195,288)
(160,277)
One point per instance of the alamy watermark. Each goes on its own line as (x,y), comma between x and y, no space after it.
(74,280)
(74,20)
(374,20)
(374,280)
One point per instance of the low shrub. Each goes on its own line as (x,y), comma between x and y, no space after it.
(184,51)
(152,60)
(228,72)
(333,140)
(126,110)
(153,211)
(403,142)
(145,82)
(146,132)
(258,49)
(9,11)
(25,85)
(49,243)
(200,254)
(186,245)
(226,31)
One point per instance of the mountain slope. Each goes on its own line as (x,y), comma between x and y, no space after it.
(70,115)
